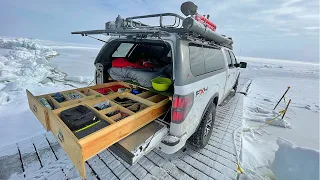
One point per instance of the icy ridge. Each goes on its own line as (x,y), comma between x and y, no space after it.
(25,63)
(27,44)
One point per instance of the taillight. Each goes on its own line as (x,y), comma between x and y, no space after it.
(181,107)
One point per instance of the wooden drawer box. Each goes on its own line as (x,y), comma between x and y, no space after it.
(123,119)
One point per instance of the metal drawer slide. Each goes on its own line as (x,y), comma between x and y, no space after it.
(133,147)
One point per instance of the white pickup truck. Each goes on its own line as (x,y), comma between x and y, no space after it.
(203,75)
(203,72)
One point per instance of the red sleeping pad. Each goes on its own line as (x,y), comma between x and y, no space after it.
(106,90)
(123,62)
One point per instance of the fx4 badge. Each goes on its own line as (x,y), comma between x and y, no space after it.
(201,92)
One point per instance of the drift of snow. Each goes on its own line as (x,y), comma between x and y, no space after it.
(256,155)
(293,162)
(259,114)
(270,79)
(78,79)
(4,97)
(2,86)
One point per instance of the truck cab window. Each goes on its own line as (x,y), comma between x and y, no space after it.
(233,58)
(213,59)
(230,64)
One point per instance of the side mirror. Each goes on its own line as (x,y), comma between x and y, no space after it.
(236,65)
(243,65)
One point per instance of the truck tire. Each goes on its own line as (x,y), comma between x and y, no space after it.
(202,135)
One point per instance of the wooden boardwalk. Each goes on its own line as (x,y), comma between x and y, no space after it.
(41,157)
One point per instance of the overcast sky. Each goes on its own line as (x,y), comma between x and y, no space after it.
(281,29)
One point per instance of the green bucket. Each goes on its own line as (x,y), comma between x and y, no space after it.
(161,83)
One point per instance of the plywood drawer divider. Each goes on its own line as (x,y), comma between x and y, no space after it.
(100,115)
(115,117)
(156,98)
(83,95)
(146,94)
(108,110)
(54,102)
(66,97)
(139,99)
(88,91)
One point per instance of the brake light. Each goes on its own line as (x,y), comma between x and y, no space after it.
(181,107)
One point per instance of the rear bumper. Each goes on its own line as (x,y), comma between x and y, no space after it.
(171,144)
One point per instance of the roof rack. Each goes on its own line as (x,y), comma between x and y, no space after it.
(185,27)
(177,20)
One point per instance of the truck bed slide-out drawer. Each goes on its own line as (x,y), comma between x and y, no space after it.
(139,143)
(130,135)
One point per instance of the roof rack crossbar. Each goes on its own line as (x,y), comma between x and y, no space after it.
(124,32)
(156,15)
(161,15)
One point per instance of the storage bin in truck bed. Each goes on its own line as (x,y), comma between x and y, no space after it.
(127,122)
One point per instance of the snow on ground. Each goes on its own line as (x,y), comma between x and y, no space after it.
(29,64)
(293,162)
(270,80)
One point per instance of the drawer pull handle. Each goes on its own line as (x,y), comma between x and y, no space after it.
(34,108)
(60,136)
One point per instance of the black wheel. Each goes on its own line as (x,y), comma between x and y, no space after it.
(202,135)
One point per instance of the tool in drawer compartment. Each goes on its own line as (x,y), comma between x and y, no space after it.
(58,97)
(91,128)
(102,105)
(125,102)
(135,91)
(45,103)
(77,117)
(137,107)
(113,113)
(73,95)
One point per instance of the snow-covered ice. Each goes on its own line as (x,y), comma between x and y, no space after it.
(293,162)
(301,122)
